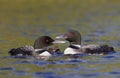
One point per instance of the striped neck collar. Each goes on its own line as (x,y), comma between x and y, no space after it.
(74,46)
(39,51)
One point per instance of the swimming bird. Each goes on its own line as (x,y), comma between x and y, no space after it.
(40,48)
(75,47)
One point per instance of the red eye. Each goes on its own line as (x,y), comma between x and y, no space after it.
(47,40)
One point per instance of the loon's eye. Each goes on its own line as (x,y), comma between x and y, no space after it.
(47,40)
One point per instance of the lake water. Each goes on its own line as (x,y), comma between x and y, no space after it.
(22,21)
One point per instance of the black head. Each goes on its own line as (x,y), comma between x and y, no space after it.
(72,36)
(42,42)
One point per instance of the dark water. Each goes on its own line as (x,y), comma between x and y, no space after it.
(22,21)
(85,66)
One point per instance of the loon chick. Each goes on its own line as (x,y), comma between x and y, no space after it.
(74,38)
(39,49)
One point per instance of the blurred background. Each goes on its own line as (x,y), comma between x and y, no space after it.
(22,21)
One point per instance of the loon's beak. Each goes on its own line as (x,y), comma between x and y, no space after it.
(58,41)
(62,37)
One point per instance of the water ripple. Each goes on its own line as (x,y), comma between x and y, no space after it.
(115,73)
(46,75)
(6,68)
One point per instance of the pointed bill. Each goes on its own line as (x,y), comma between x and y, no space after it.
(59,41)
(61,37)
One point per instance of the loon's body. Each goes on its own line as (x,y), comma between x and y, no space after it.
(39,49)
(75,47)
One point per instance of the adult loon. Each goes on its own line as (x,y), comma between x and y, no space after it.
(75,47)
(40,48)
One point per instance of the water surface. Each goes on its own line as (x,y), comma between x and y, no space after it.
(22,21)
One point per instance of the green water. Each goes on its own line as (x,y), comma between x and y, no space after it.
(22,21)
